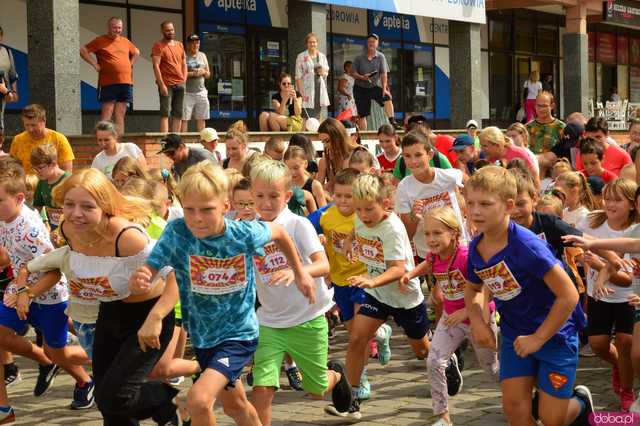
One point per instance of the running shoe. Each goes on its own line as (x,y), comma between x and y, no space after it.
(295,378)
(7,415)
(442,422)
(45,378)
(383,336)
(11,375)
(341,392)
(582,392)
(250,378)
(627,398)
(364,388)
(83,396)
(453,375)
(460,355)
(176,381)
(586,351)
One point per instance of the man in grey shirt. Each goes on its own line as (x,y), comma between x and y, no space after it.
(196,97)
(182,156)
(369,71)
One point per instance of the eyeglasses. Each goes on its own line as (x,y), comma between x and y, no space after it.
(286,84)
(247,205)
(41,167)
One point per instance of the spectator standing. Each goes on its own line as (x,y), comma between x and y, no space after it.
(182,156)
(112,150)
(34,120)
(371,83)
(114,59)
(544,131)
(311,74)
(196,98)
(170,71)
(8,82)
(345,90)
(532,87)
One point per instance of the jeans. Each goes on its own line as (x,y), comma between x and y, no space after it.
(123,393)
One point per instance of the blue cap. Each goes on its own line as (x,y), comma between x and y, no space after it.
(461,142)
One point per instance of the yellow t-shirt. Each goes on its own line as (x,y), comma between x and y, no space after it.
(23,144)
(336,228)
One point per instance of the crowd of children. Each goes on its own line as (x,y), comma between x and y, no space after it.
(253,259)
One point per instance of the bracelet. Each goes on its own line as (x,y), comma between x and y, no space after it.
(22,290)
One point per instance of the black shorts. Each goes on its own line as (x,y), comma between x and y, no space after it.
(116,93)
(602,317)
(414,321)
(363,97)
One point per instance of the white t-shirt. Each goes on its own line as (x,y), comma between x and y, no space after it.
(439,193)
(621,293)
(533,88)
(534,161)
(175,212)
(26,238)
(283,307)
(105,163)
(380,244)
(634,232)
(546,185)
(576,218)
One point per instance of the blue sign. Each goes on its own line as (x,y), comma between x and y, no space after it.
(338,39)
(217,28)
(391,26)
(252,12)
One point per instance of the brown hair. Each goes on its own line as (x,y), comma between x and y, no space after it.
(361,155)
(44,155)
(347,176)
(12,176)
(243,184)
(340,145)
(129,167)
(35,111)
(308,36)
(274,143)
(295,153)
(623,188)
(577,179)
(389,130)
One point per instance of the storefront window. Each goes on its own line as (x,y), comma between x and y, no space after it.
(548,39)
(226,55)
(634,84)
(418,79)
(392,52)
(501,98)
(272,61)
(524,34)
(500,34)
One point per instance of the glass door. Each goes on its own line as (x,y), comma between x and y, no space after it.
(418,79)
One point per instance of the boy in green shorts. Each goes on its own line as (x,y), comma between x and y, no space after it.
(288,322)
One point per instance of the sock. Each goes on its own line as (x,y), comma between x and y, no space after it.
(10,368)
(583,405)
(288,366)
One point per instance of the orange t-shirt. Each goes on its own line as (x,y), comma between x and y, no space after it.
(114,58)
(171,59)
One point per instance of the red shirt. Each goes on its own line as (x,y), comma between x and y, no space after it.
(172,58)
(114,57)
(386,164)
(615,158)
(606,175)
(444,144)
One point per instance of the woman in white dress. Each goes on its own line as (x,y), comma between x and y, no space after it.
(312,69)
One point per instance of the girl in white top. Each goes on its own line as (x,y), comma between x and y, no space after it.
(533,86)
(112,150)
(579,200)
(312,69)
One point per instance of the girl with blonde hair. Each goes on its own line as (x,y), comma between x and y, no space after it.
(125,168)
(236,144)
(532,86)
(579,199)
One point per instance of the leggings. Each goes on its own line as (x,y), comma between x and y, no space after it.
(444,343)
(123,393)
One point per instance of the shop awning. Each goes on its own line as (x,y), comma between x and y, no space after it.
(455,10)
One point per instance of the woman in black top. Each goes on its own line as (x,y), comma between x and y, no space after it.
(287,106)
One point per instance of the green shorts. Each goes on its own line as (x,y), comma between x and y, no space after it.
(308,345)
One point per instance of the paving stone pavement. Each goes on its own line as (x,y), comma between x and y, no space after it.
(400,395)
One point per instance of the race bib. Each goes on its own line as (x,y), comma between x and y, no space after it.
(542,236)
(337,241)
(273,261)
(451,284)
(439,200)
(370,252)
(500,281)
(54,216)
(213,276)
(86,291)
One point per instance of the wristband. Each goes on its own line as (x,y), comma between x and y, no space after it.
(22,290)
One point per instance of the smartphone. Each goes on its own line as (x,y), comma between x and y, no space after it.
(372,74)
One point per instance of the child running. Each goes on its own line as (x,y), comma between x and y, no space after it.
(212,258)
(579,200)
(447,262)
(538,318)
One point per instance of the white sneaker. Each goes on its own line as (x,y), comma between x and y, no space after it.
(442,422)
(586,351)
(635,407)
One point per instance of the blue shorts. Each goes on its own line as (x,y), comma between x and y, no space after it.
(85,334)
(414,321)
(554,365)
(228,358)
(345,297)
(49,319)
(116,93)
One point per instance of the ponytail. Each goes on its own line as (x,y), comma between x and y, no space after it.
(586,196)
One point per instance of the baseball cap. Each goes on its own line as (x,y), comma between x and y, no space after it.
(373,35)
(208,134)
(170,143)
(461,142)
(418,118)
(596,184)
(472,123)
(193,37)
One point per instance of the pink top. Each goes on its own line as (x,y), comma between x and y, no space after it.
(615,158)
(515,151)
(453,283)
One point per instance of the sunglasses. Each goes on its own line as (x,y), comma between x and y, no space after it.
(286,84)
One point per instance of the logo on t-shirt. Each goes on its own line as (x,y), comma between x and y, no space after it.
(499,279)
(210,275)
(370,252)
(451,284)
(273,261)
(86,291)
(442,199)
(337,241)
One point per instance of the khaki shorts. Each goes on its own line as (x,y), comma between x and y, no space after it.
(172,104)
(196,106)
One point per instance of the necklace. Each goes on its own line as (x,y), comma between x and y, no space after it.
(92,243)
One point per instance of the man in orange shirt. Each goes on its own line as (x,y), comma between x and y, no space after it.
(114,59)
(170,70)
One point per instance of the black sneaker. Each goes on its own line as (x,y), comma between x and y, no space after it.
(11,375)
(250,378)
(83,397)
(582,392)
(341,392)
(354,414)
(535,400)
(460,356)
(454,377)
(295,378)
(45,378)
